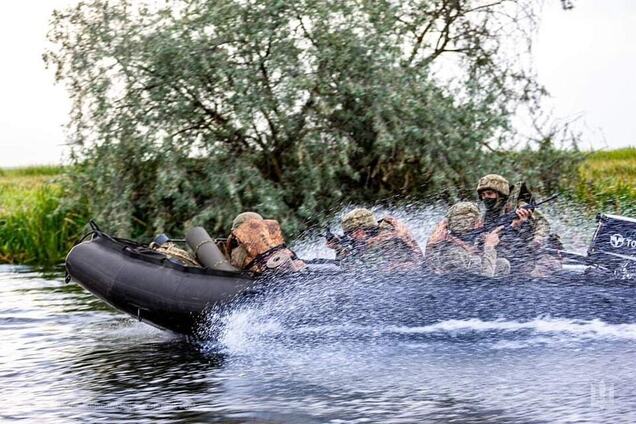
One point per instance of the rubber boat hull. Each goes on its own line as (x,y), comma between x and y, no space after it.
(149,286)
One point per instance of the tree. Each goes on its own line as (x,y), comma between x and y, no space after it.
(193,111)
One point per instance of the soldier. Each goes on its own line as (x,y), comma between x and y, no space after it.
(386,244)
(529,233)
(446,252)
(257,245)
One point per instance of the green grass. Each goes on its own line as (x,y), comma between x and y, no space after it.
(31,171)
(607,181)
(627,153)
(38,227)
(35,226)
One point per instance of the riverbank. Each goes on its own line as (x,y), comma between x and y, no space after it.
(607,181)
(38,225)
(35,225)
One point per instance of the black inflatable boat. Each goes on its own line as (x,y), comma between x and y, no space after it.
(155,289)
(148,285)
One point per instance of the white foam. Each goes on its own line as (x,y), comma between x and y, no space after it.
(592,328)
(247,330)
(246,326)
(132,329)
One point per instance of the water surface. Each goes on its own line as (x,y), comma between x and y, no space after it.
(306,355)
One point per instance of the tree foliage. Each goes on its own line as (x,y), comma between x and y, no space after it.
(193,111)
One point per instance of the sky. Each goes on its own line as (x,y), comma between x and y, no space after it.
(33,110)
(585,57)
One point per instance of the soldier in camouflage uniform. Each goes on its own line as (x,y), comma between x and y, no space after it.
(446,252)
(386,244)
(236,253)
(257,245)
(529,233)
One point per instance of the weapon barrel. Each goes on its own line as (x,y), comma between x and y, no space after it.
(549,199)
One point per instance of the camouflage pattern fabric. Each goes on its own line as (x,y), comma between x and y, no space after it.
(359,218)
(494,182)
(257,245)
(446,253)
(172,251)
(462,217)
(387,246)
(239,257)
(454,256)
(244,217)
(258,236)
(521,247)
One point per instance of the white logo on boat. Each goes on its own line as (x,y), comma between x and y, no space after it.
(618,240)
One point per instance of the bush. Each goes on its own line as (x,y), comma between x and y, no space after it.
(193,112)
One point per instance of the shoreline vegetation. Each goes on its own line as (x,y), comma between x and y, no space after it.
(183,119)
(40,218)
(606,181)
(36,227)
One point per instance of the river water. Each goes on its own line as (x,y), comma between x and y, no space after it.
(66,357)
(326,352)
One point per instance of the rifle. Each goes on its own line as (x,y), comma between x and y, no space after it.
(342,243)
(503,221)
(331,236)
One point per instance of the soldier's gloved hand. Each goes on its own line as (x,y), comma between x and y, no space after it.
(523,216)
(492,238)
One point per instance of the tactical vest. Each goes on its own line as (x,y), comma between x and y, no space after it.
(261,248)
(438,254)
(516,246)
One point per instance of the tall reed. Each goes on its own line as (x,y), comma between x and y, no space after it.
(35,225)
(607,181)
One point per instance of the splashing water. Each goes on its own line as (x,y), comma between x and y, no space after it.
(362,305)
(389,348)
(358,348)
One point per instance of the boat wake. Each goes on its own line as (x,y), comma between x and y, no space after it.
(380,309)
(246,332)
(381,312)
(584,329)
(365,347)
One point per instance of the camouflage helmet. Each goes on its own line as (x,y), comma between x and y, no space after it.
(462,217)
(359,218)
(244,217)
(494,182)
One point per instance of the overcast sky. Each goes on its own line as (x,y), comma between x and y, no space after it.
(585,57)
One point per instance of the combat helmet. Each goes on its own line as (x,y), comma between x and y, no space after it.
(244,217)
(359,218)
(462,217)
(494,182)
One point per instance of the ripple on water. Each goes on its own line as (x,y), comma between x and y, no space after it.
(323,352)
